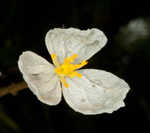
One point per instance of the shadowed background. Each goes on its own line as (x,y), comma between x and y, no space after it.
(23,25)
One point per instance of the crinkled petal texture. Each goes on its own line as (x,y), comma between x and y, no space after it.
(96,92)
(66,42)
(40,77)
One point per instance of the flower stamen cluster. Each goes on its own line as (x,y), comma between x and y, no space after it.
(67,68)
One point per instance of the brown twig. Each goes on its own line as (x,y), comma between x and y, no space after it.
(13,88)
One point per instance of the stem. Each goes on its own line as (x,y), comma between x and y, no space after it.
(13,88)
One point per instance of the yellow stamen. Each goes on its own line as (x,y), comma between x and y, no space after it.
(63,81)
(67,68)
(54,59)
(82,64)
(70,59)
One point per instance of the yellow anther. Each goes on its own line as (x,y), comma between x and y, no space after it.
(54,59)
(78,75)
(67,68)
(73,74)
(83,63)
(74,56)
(70,59)
(63,81)
(53,56)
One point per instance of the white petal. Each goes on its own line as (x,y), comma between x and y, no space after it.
(66,42)
(40,77)
(96,92)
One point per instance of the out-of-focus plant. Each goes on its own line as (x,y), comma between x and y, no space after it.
(135,35)
(7,122)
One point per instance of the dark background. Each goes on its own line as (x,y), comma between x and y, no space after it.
(23,25)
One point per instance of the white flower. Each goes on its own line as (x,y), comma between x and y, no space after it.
(88,91)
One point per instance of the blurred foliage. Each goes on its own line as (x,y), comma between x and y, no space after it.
(127,54)
(8,122)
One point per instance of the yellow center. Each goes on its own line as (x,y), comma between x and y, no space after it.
(67,68)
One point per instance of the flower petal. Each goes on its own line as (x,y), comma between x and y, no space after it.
(96,92)
(66,42)
(40,77)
